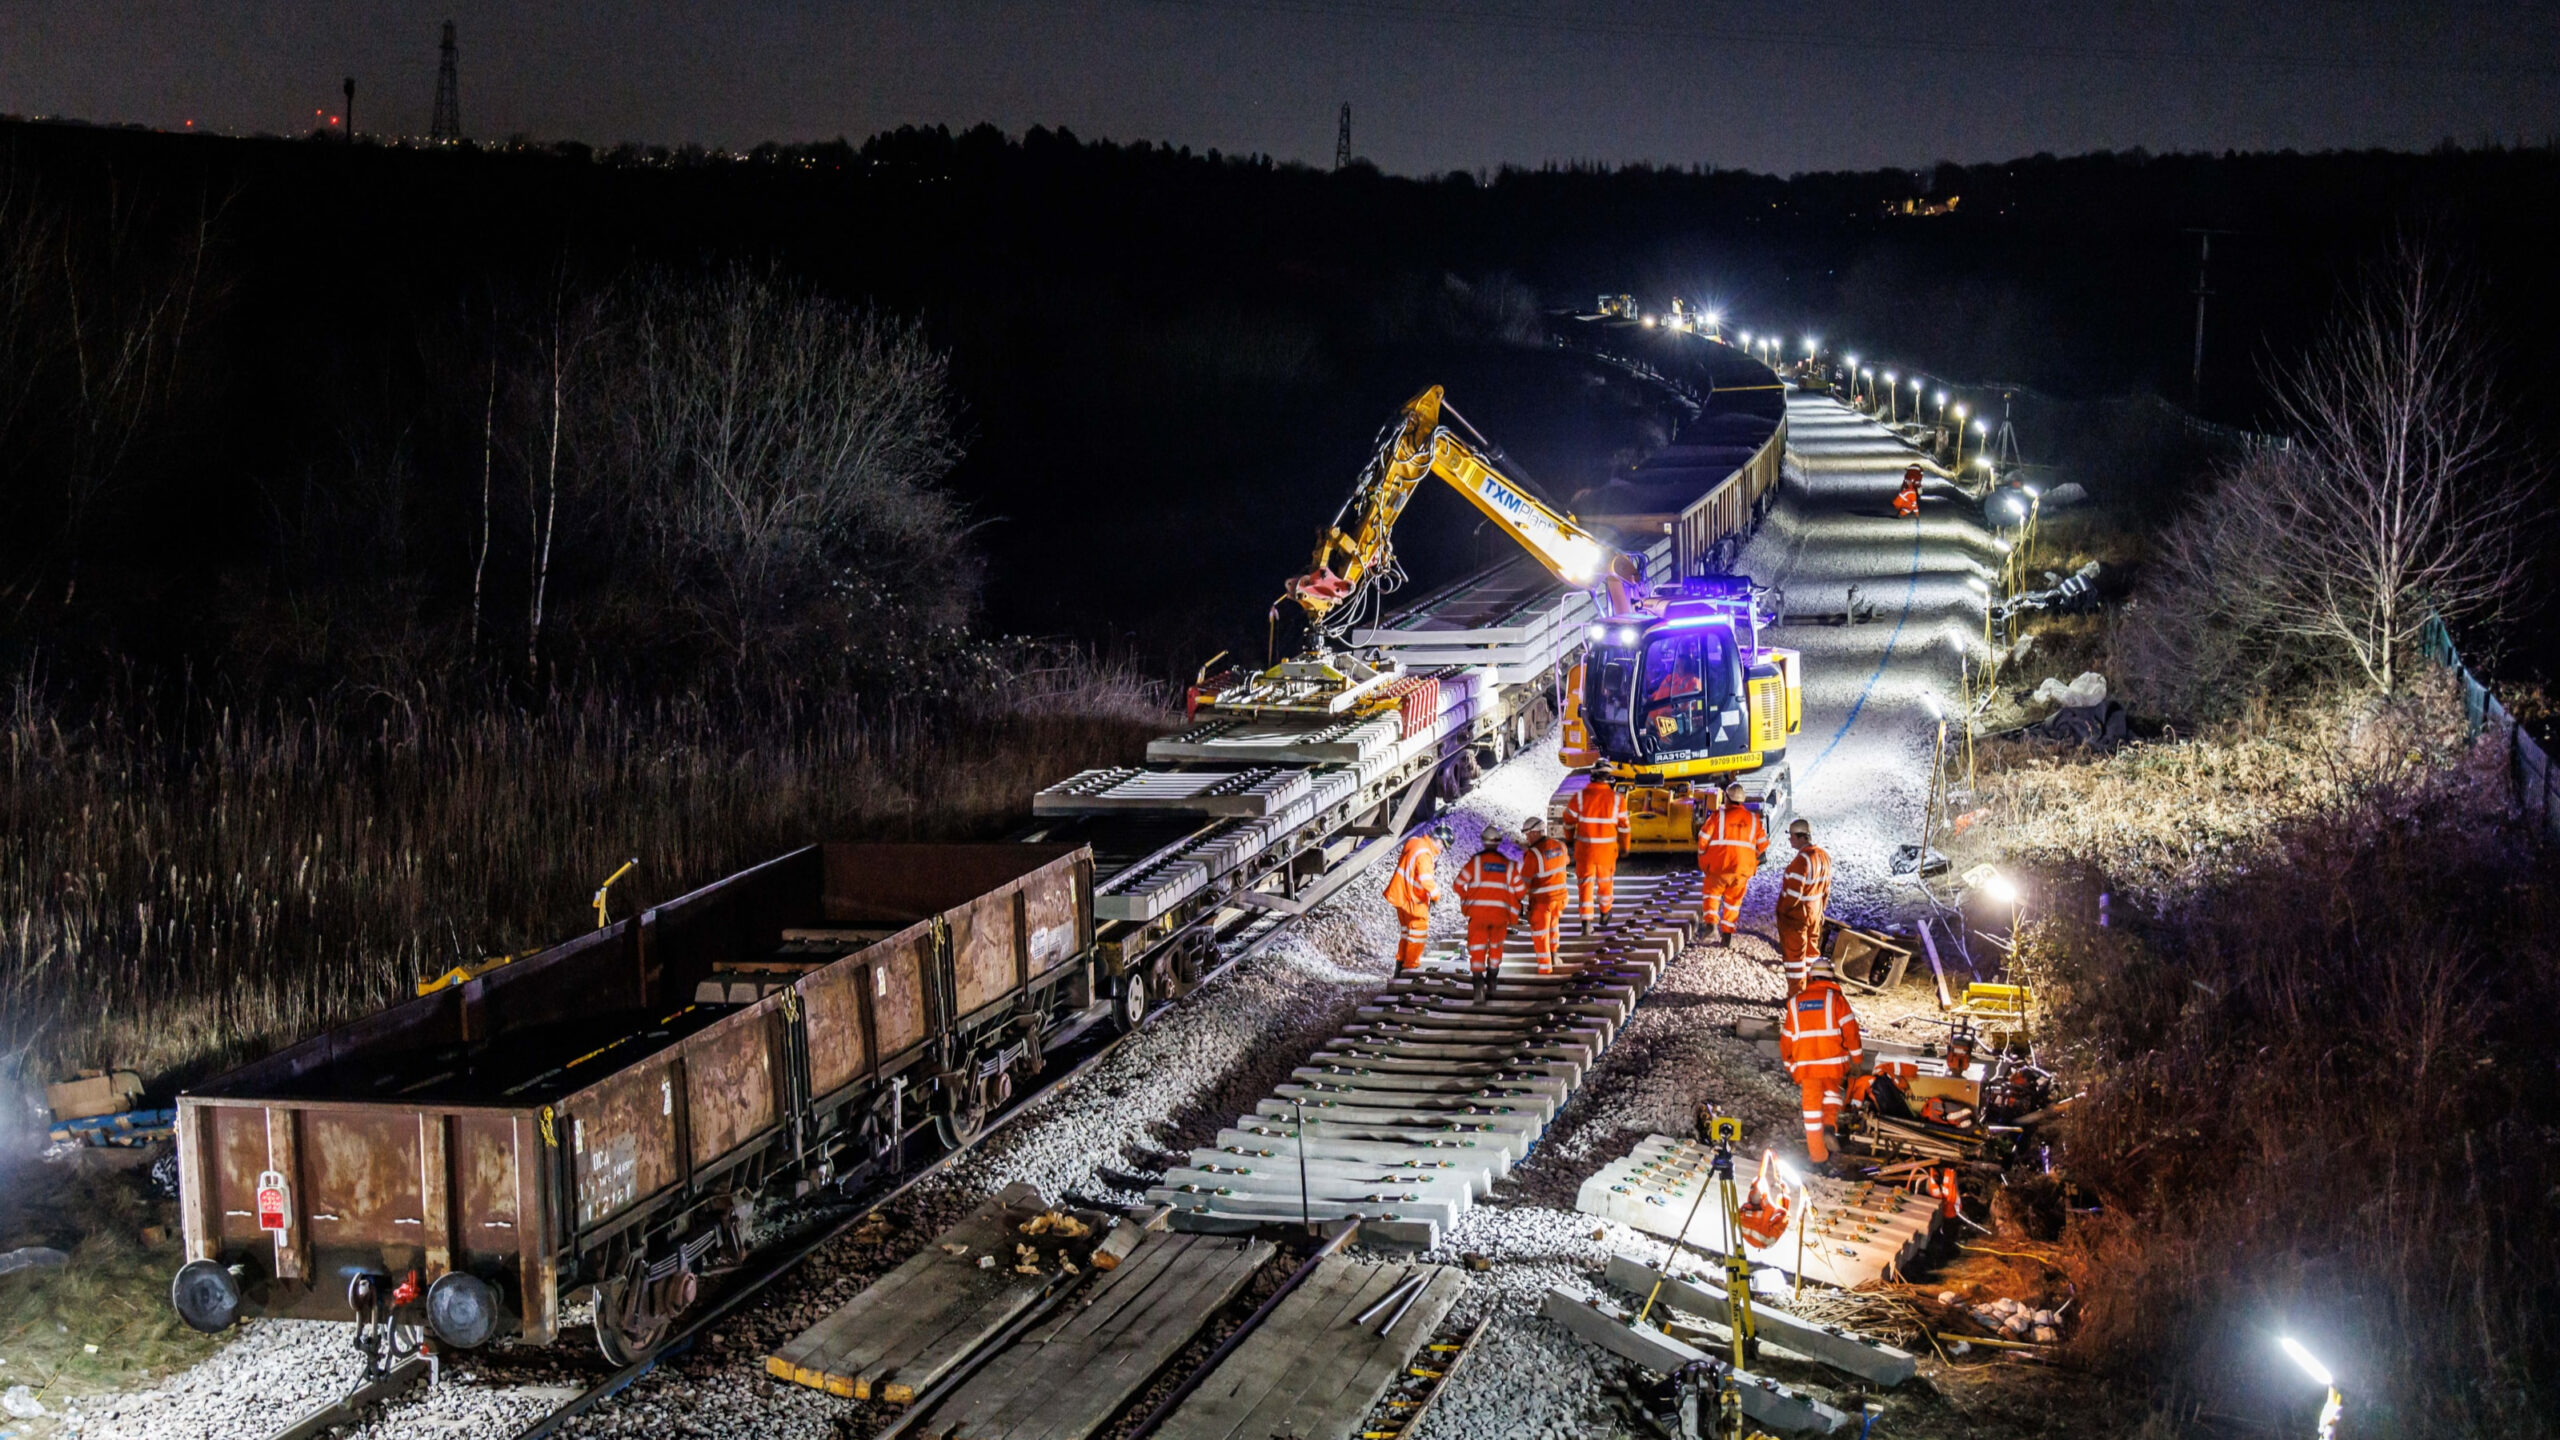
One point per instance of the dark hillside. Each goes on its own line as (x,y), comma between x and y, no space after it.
(1167,365)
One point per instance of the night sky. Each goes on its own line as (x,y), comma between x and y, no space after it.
(1434,84)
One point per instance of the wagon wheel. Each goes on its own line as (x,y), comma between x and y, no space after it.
(1129,1007)
(960,1126)
(625,1331)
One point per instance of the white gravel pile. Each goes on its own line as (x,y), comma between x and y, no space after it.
(277,1371)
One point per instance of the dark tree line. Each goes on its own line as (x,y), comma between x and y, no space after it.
(337,447)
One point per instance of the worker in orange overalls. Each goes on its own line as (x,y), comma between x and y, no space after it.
(1598,815)
(1489,890)
(1411,890)
(1817,1038)
(1906,501)
(1683,680)
(1543,862)
(1732,841)
(1801,900)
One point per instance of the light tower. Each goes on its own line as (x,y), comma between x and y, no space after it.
(1342,140)
(447,124)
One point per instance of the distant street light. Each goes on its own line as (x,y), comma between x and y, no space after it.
(1961,412)
(1893,399)
(2320,1376)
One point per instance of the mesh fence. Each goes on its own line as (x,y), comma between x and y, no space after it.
(2528,764)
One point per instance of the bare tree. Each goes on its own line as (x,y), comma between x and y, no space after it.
(2397,503)
(488,478)
(573,327)
(782,449)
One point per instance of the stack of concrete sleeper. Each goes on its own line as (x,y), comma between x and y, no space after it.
(1852,1232)
(1430,1095)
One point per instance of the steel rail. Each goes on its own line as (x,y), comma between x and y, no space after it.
(789,1259)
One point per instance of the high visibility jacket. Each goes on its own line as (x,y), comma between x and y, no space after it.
(1489,887)
(1808,882)
(1416,882)
(1597,815)
(1734,841)
(1764,1214)
(1545,866)
(1817,1025)
(1676,683)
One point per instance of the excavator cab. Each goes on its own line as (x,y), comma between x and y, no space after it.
(1678,702)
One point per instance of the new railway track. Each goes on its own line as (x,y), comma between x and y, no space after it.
(777,1262)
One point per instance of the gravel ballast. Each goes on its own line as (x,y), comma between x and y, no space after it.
(1860,779)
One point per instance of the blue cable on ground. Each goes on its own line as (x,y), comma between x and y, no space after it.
(1910,591)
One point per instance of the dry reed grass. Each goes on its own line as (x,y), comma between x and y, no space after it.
(185,884)
(2165,818)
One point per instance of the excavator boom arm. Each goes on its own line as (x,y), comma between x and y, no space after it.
(1357,553)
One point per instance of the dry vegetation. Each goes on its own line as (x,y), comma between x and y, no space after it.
(2312,1041)
(184,883)
(2169,817)
(2312,1028)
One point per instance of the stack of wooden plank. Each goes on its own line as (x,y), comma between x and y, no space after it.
(1407,1118)
(911,1326)
(1071,1373)
(1312,1369)
(1847,1232)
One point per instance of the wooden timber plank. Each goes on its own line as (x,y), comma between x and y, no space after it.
(1274,1365)
(1125,1358)
(977,1410)
(932,1300)
(1346,1389)
(1069,1377)
(915,1332)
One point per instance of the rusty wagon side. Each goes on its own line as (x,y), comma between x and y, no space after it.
(610,1112)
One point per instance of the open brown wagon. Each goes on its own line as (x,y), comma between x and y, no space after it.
(610,1113)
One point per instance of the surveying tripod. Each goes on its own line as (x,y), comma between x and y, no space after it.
(1723,1132)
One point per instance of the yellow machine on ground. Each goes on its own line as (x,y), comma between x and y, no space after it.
(1673,692)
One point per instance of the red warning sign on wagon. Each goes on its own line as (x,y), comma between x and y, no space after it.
(275,1202)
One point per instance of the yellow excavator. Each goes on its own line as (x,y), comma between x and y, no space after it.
(1672,689)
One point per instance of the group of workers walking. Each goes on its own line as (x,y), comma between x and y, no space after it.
(1817,1036)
